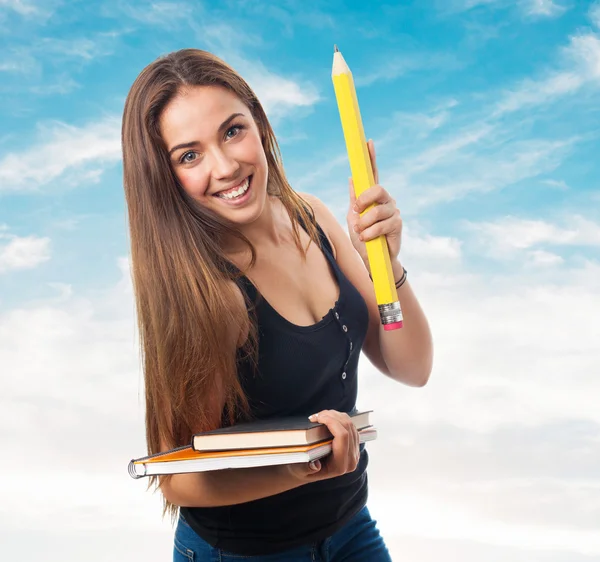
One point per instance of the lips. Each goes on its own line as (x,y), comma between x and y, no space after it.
(245,182)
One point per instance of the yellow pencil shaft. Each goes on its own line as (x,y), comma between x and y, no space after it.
(363,179)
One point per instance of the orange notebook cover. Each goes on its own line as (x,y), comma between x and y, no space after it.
(186,459)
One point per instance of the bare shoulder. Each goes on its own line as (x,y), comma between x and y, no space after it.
(327,221)
(318,206)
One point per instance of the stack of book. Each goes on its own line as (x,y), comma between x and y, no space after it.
(259,443)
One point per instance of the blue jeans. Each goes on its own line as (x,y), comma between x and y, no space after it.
(357,541)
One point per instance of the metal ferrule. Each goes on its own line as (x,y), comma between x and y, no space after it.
(390,313)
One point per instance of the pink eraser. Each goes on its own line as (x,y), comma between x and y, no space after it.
(393,326)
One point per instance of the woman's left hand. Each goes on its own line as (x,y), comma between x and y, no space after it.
(384,218)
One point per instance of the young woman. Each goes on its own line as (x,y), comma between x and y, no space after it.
(253,302)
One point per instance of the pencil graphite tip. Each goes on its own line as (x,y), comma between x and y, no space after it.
(335,49)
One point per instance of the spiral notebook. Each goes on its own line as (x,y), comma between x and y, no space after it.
(186,459)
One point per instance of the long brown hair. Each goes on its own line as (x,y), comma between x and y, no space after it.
(184,302)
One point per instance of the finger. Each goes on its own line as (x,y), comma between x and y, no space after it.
(374,195)
(391,226)
(350,456)
(371,147)
(329,417)
(353,437)
(342,417)
(302,471)
(356,447)
(353,448)
(375,215)
(342,441)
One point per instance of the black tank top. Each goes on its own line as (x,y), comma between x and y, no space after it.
(301,370)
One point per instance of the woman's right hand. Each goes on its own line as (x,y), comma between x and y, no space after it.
(345,452)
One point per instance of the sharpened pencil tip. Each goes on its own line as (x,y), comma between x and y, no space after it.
(335,49)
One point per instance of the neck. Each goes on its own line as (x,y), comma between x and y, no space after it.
(268,231)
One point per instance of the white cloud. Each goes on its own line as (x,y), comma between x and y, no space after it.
(532,92)
(528,8)
(430,515)
(22,7)
(557,184)
(33,11)
(280,96)
(582,67)
(478,160)
(454,161)
(447,149)
(454,6)
(504,236)
(294,14)
(20,61)
(164,14)
(11,66)
(23,252)
(418,125)
(62,154)
(79,48)
(594,14)
(311,174)
(545,259)
(64,290)
(514,370)
(426,248)
(64,85)
(394,66)
(41,56)
(548,8)
(485,149)
(585,51)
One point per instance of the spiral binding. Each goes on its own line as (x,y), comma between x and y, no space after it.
(133,473)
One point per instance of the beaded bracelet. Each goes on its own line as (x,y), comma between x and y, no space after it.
(400,281)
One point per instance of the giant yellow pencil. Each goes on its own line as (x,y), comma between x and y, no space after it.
(363,178)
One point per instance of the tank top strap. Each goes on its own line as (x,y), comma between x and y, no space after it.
(243,282)
(322,236)
(325,241)
(247,285)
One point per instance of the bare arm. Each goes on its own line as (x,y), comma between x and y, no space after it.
(405,355)
(229,487)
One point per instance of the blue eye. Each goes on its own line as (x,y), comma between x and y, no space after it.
(185,160)
(236,129)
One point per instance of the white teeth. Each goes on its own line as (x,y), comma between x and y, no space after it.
(233,194)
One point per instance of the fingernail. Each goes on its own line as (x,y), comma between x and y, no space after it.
(313,417)
(355,228)
(356,208)
(315,465)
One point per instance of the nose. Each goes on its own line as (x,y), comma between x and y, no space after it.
(224,166)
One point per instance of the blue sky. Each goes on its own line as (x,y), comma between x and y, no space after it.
(479,110)
(486,121)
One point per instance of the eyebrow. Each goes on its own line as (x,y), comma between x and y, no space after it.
(221,127)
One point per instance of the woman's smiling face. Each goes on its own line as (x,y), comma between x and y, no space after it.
(216,152)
